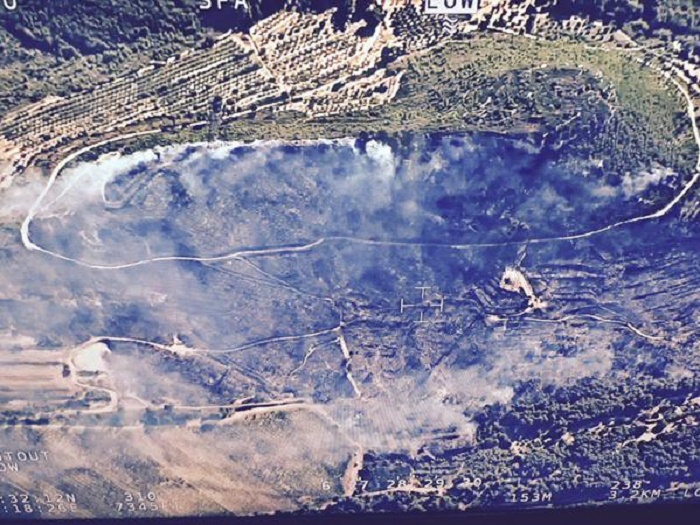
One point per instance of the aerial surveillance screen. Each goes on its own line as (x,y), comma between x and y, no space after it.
(320,258)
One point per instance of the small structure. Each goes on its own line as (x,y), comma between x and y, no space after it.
(513,280)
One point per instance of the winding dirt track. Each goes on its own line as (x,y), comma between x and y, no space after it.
(298,248)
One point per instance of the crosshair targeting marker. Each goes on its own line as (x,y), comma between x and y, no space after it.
(425,305)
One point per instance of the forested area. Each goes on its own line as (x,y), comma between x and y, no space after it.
(578,444)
